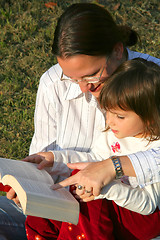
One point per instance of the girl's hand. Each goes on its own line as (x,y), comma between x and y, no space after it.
(43,159)
(12,196)
(92,177)
(84,195)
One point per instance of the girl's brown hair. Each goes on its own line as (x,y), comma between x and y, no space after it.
(135,86)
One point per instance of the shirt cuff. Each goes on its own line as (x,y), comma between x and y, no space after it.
(145,167)
(60,164)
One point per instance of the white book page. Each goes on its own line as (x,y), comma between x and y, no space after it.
(33,190)
(23,169)
(36,188)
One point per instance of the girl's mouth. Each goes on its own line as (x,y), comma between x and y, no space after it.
(114,131)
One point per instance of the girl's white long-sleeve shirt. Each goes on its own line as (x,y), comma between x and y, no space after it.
(125,192)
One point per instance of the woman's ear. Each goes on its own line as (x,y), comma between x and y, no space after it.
(118,51)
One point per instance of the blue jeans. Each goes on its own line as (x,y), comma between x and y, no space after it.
(12,221)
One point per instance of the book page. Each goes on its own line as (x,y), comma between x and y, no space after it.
(38,199)
(33,190)
(38,188)
(23,169)
(58,208)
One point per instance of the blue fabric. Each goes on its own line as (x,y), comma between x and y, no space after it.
(12,221)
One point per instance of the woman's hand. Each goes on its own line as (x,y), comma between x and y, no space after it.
(43,159)
(91,177)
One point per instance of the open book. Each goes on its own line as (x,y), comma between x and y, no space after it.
(32,187)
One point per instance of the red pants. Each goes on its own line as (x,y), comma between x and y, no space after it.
(103,220)
(98,220)
(94,223)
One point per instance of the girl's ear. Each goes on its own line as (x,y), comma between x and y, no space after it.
(118,51)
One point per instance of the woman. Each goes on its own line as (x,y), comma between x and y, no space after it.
(89,46)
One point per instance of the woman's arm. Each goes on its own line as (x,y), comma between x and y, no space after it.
(146,166)
(127,166)
(97,175)
(44,120)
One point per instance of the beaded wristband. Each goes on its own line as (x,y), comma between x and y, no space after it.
(117,166)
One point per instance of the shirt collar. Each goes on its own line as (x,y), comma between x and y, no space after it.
(130,54)
(73,91)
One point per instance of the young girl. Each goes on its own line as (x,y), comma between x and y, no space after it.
(131,100)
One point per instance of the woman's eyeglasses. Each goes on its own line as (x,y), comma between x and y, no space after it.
(84,79)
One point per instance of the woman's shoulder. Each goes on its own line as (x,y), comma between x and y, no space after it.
(52,86)
(52,75)
(133,54)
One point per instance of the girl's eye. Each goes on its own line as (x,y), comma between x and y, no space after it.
(119,116)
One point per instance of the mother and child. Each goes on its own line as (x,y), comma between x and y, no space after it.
(130,97)
(96,85)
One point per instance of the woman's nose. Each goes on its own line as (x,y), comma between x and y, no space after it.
(85,87)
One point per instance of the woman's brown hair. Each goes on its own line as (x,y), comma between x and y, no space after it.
(89,29)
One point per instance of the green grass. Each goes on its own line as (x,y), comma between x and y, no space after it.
(27,29)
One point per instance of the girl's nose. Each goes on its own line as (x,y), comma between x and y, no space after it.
(109,119)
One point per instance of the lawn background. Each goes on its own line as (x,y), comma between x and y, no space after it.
(27,29)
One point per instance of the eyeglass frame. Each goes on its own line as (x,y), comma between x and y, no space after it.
(85,79)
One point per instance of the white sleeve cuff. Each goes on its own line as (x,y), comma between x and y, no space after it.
(61,158)
(146,167)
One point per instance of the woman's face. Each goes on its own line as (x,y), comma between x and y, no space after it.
(81,66)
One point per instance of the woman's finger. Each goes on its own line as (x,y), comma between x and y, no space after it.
(73,180)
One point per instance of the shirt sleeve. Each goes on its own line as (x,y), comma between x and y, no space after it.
(98,152)
(147,166)
(141,200)
(61,158)
(44,137)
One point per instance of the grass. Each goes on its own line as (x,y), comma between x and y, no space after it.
(27,28)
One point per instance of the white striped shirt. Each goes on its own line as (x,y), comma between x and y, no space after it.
(66,118)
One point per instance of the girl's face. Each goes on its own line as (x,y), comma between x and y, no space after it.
(124,123)
(80,66)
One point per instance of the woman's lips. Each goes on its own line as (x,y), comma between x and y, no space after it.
(94,89)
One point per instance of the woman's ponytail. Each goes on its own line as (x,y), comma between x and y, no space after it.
(129,36)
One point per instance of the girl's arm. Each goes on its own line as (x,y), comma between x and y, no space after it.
(141,200)
(143,165)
